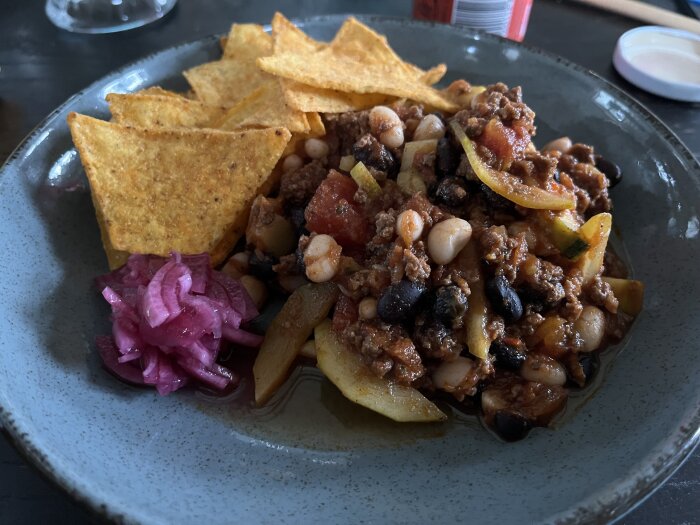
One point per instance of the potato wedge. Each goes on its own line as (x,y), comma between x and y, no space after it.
(476,318)
(595,232)
(287,333)
(346,370)
(629,292)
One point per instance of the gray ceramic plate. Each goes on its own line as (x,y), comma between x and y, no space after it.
(312,457)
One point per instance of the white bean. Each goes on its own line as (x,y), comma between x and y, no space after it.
(256,289)
(409,225)
(590,326)
(561,144)
(431,127)
(447,238)
(367,309)
(543,369)
(451,374)
(322,258)
(316,148)
(382,118)
(237,265)
(292,162)
(392,137)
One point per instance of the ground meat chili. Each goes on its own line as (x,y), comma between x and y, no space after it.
(402,311)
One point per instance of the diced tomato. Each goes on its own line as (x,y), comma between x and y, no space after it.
(333,211)
(345,313)
(507,143)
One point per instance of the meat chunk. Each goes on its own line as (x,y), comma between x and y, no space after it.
(600,293)
(298,186)
(344,129)
(388,350)
(501,103)
(435,340)
(544,278)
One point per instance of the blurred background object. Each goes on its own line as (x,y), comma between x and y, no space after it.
(105,16)
(506,18)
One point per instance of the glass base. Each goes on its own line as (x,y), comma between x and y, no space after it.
(105,16)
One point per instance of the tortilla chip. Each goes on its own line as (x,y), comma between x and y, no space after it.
(222,42)
(264,108)
(166,189)
(309,98)
(146,110)
(329,70)
(157,90)
(358,41)
(246,42)
(289,38)
(225,82)
(316,127)
(357,61)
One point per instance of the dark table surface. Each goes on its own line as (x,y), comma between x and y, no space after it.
(41,66)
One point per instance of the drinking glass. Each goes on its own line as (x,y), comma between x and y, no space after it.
(105,16)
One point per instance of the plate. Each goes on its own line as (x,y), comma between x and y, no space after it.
(138,458)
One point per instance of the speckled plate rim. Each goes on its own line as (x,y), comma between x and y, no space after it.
(630,491)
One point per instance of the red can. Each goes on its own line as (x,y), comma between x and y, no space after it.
(507,18)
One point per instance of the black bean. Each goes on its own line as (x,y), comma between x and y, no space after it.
(507,356)
(611,170)
(296,216)
(450,304)
(373,153)
(510,427)
(504,299)
(494,200)
(556,176)
(446,158)
(589,365)
(261,265)
(399,302)
(451,191)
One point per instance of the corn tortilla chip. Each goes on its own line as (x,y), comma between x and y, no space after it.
(165,189)
(327,70)
(316,127)
(289,38)
(225,82)
(146,110)
(246,42)
(264,108)
(309,98)
(356,40)
(157,90)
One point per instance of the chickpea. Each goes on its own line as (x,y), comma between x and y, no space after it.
(316,148)
(447,238)
(409,225)
(292,162)
(431,127)
(322,258)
